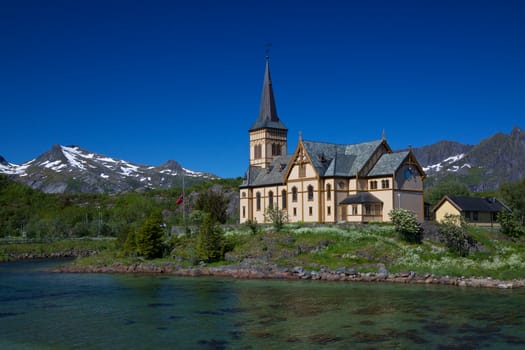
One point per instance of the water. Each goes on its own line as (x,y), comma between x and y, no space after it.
(41,310)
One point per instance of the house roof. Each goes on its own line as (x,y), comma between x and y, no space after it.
(267,111)
(271,175)
(473,204)
(388,163)
(361,198)
(331,159)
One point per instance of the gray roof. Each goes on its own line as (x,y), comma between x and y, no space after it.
(340,160)
(272,175)
(478,204)
(388,163)
(361,198)
(267,112)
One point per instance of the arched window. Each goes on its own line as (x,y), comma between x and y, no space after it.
(258,201)
(294,194)
(328,192)
(270,200)
(257,151)
(310,193)
(283,199)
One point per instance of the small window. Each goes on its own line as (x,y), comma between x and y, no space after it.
(310,193)
(294,211)
(354,209)
(283,199)
(270,200)
(373,185)
(302,170)
(329,211)
(310,211)
(276,149)
(341,185)
(294,194)
(475,216)
(467,215)
(243,194)
(328,192)
(385,183)
(258,201)
(257,151)
(243,211)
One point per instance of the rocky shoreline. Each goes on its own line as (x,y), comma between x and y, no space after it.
(72,253)
(297,273)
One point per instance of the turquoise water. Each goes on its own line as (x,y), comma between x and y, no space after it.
(40,310)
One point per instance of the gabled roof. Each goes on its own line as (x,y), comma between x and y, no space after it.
(267,111)
(361,198)
(331,159)
(388,163)
(473,204)
(272,175)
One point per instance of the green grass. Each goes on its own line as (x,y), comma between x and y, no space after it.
(362,247)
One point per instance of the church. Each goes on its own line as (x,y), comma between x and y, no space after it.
(323,182)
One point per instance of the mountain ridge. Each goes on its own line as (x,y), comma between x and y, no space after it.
(74,169)
(482,167)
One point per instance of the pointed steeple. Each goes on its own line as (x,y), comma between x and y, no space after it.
(267,111)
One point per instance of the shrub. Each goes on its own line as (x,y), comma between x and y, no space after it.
(406,225)
(510,225)
(252,225)
(453,232)
(277,217)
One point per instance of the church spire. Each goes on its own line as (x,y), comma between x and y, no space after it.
(267,111)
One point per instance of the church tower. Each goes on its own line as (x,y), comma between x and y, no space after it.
(268,135)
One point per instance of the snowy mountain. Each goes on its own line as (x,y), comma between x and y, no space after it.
(481,167)
(73,169)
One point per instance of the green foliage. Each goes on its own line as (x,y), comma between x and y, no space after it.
(513,195)
(210,244)
(214,203)
(277,217)
(445,187)
(453,232)
(406,224)
(149,239)
(510,224)
(252,226)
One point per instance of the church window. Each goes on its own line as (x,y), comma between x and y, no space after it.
(310,193)
(257,151)
(385,183)
(294,211)
(243,194)
(373,185)
(270,200)
(328,192)
(258,201)
(341,185)
(310,211)
(294,194)
(354,209)
(302,170)
(329,211)
(283,199)
(243,211)
(276,149)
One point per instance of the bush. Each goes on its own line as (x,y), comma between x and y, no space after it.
(252,225)
(277,217)
(210,243)
(406,225)
(453,232)
(149,238)
(510,225)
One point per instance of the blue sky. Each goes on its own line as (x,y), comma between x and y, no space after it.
(148,81)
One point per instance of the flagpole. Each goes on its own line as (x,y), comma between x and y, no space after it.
(183,202)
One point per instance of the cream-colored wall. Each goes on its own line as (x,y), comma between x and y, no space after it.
(446,208)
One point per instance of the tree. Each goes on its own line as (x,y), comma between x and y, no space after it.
(149,238)
(513,194)
(447,187)
(214,203)
(210,243)
(509,224)
(406,224)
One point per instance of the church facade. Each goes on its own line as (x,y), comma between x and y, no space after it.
(324,182)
